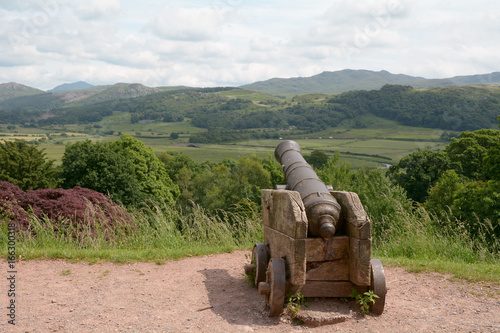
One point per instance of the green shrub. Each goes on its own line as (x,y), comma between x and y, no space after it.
(126,170)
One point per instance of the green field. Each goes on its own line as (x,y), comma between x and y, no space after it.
(372,153)
(383,142)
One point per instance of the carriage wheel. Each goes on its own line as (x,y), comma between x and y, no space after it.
(258,265)
(274,287)
(378,286)
(260,258)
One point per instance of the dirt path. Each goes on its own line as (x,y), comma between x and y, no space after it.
(209,294)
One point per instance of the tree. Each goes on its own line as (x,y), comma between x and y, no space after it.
(468,151)
(211,188)
(249,178)
(382,200)
(26,166)
(275,170)
(491,164)
(150,172)
(174,136)
(477,205)
(228,185)
(174,161)
(126,169)
(317,159)
(443,193)
(418,171)
(337,174)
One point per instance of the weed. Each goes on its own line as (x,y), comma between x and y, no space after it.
(105,273)
(138,271)
(365,300)
(66,272)
(293,303)
(475,293)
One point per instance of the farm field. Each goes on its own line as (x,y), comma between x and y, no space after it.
(383,142)
(365,152)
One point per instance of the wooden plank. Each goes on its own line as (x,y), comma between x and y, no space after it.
(284,211)
(328,289)
(356,221)
(292,250)
(335,270)
(266,203)
(318,249)
(359,261)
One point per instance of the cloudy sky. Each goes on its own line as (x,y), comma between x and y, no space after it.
(44,43)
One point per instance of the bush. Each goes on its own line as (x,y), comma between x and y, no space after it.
(69,210)
(126,169)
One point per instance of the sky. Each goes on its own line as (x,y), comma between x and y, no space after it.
(45,43)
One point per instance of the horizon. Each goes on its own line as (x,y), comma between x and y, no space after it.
(346,69)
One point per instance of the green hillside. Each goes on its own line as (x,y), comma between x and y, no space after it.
(13,90)
(348,79)
(229,114)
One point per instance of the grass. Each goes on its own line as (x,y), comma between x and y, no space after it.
(410,240)
(384,141)
(472,272)
(158,234)
(415,241)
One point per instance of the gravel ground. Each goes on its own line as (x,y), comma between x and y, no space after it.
(210,294)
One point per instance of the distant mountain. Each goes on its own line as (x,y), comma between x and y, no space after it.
(17,97)
(348,79)
(71,86)
(12,90)
(99,94)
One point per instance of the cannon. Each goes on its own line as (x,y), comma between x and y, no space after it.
(322,209)
(317,241)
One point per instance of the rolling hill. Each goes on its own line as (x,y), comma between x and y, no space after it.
(12,90)
(72,86)
(17,97)
(348,79)
(228,112)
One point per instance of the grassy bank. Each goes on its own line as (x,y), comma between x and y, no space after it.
(416,242)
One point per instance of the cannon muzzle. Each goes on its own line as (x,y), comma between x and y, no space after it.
(322,209)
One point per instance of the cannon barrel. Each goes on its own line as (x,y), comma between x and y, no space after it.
(322,209)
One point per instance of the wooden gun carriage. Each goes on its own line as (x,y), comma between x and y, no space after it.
(327,260)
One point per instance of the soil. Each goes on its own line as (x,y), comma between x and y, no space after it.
(210,294)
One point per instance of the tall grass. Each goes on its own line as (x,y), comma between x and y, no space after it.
(416,235)
(407,235)
(158,233)
(416,240)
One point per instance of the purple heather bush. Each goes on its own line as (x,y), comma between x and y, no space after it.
(75,210)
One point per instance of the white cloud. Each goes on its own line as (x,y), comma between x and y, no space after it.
(193,24)
(99,9)
(224,42)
